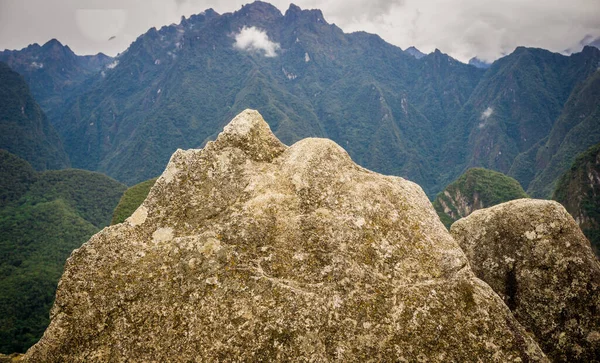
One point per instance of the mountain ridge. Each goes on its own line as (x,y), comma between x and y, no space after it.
(394,113)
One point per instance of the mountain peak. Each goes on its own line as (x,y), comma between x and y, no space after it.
(260,8)
(52,43)
(413,51)
(315,15)
(57,49)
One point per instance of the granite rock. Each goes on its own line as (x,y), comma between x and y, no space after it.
(533,254)
(249,250)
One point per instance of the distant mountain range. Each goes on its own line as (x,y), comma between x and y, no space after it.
(52,71)
(424,117)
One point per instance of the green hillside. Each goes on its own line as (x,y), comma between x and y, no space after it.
(579,191)
(43,218)
(477,188)
(131,200)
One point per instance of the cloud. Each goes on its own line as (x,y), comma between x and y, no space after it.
(113,64)
(354,10)
(487,113)
(253,39)
(484,116)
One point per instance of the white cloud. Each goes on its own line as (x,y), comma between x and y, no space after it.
(484,116)
(113,64)
(253,39)
(487,113)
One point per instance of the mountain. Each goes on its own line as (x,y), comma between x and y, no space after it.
(477,188)
(249,250)
(516,107)
(427,119)
(43,218)
(579,191)
(177,86)
(479,63)
(131,200)
(414,52)
(24,128)
(53,72)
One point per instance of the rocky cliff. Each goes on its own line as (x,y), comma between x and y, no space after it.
(533,254)
(248,250)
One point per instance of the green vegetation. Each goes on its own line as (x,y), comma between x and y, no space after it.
(579,191)
(477,188)
(17,177)
(24,129)
(131,200)
(43,218)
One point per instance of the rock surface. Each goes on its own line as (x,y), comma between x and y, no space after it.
(533,254)
(248,250)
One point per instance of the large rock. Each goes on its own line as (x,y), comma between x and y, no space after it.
(248,250)
(533,254)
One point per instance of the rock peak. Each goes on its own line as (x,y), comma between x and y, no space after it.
(250,132)
(245,122)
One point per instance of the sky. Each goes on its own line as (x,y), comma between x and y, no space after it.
(461,28)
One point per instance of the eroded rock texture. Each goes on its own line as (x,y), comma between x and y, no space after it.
(533,254)
(248,250)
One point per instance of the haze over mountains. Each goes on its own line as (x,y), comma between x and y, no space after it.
(426,119)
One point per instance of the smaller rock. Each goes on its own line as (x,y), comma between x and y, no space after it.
(533,254)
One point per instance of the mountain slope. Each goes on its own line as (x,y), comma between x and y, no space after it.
(44,218)
(53,72)
(24,129)
(175,87)
(579,191)
(514,107)
(577,128)
(477,188)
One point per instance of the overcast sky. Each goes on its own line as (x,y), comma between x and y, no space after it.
(461,28)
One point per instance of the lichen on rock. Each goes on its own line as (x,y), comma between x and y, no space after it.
(248,250)
(533,254)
